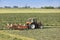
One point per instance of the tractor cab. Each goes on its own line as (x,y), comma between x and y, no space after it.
(32,20)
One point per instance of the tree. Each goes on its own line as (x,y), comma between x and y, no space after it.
(48,7)
(26,7)
(7,7)
(58,7)
(1,7)
(15,6)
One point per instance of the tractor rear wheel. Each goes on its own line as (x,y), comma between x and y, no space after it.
(32,26)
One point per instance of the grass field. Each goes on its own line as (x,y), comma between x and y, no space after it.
(15,10)
(49,17)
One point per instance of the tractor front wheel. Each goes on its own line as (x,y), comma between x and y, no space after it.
(41,27)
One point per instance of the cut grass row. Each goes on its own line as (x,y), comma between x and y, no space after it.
(48,33)
(8,36)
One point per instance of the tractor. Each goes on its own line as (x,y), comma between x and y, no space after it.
(33,24)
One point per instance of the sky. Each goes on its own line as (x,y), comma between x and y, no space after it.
(32,3)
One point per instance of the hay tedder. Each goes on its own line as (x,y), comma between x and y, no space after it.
(31,23)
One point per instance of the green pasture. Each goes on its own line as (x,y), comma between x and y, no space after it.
(51,19)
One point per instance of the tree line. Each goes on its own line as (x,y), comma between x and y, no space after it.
(46,7)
